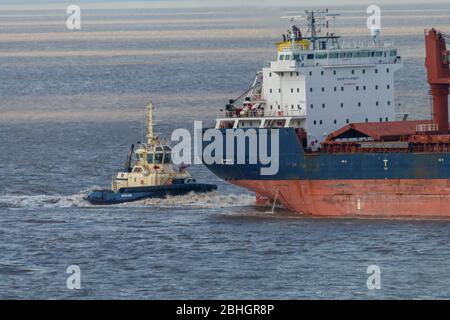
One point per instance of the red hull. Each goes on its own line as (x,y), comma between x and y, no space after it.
(360,198)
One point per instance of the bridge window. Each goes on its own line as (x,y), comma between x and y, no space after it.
(159,157)
(393,53)
(334,55)
(348,54)
(321,55)
(341,54)
(310,56)
(364,54)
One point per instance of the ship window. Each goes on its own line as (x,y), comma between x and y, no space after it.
(279,107)
(298,74)
(292,107)
(323,105)
(270,90)
(282,74)
(364,87)
(364,71)
(348,54)
(342,104)
(312,106)
(342,88)
(367,120)
(364,54)
(315,122)
(377,103)
(372,53)
(323,89)
(310,90)
(334,55)
(291,74)
(387,119)
(388,103)
(296,57)
(310,56)
(341,54)
(270,74)
(271,107)
(378,53)
(353,71)
(359,104)
(279,90)
(335,121)
(298,89)
(167,157)
(310,73)
(281,57)
(376,87)
(159,157)
(393,53)
(334,72)
(381,119)
(376,70)
(335,89)
(288,57)
(387,70)
(150,158)
(388,87)
(321,73)
(292,90)
(347,120)
(357,88)
(320,122)
(321,55)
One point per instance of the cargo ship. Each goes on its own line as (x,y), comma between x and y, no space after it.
(149,175)
(343,150)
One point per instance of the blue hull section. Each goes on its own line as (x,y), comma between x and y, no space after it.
(103,197)
(295,164)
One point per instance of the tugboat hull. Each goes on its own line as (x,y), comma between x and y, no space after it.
(105,197)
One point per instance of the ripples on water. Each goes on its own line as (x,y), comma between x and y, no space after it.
(70,107)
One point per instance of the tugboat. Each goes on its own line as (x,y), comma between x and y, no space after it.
(151,176)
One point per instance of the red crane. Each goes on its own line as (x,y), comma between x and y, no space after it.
(438,71)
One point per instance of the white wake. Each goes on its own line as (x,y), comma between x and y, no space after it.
(192,200)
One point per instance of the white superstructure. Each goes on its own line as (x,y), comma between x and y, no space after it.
(319,84)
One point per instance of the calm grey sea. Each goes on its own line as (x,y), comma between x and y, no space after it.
(71,103)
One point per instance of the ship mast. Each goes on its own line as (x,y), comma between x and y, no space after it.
(151,138)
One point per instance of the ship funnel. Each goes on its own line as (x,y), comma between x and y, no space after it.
(438,74)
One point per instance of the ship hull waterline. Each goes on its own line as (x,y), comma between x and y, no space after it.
(390,198)
(108,197)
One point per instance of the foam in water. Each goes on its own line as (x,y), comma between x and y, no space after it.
(192,200)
